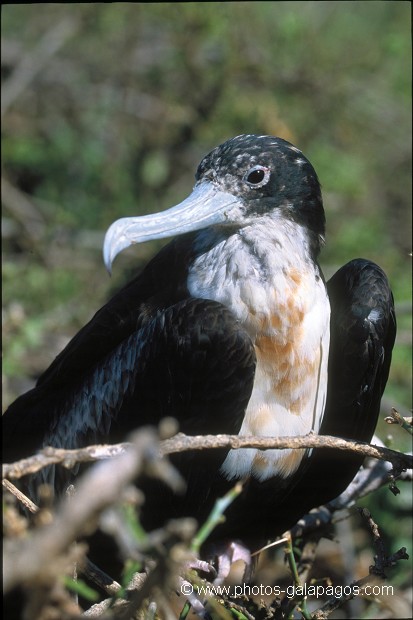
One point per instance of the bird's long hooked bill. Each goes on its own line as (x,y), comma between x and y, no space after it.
(206,206)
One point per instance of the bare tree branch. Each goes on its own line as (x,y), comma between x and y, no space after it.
(26,558)
(369,478)
(66,458)
(182,443)
(376,572)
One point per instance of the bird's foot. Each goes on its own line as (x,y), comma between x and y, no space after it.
(206,571)
(225,555)
(221,558)
(201,566)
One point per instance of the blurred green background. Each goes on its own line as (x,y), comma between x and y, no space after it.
(108,108)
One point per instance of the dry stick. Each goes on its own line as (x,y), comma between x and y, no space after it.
(103,452)
(182,443)
(381,560)
(396,418)
(27,503)
(377,570)
(24,559)
(89,569)
(367,480)
(67,458)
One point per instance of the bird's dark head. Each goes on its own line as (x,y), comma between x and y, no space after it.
(266,173)
(243,179)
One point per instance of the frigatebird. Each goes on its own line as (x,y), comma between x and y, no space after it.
(227,329)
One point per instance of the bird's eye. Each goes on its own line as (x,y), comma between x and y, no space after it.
(257,176)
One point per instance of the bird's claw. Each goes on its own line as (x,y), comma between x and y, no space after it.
(227,556)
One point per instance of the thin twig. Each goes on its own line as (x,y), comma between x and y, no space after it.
(380,557)
(216,516)
(27,503)
(302,602)
(376,571)
(396,418)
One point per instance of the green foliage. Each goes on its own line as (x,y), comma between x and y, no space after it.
(80,587)
(132,523)
(110,131)
(216,517)
(43,285)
